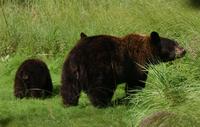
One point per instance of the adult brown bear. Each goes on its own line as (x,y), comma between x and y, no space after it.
(98,63)
(33,79)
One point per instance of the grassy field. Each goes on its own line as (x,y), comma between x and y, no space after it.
(48,29)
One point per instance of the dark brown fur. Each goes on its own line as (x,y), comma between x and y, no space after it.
(33,80)
(98,63)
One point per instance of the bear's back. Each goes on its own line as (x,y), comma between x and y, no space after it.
(95,45)
(33,67)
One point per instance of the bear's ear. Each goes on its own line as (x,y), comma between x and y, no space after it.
(83,35)
(155,38)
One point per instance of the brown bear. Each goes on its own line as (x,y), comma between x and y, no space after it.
(98,63)
(33,79)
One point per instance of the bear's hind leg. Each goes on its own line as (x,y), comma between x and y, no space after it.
(48,86)
(70,92)
(19,88)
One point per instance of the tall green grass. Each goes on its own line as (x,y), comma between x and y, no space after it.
(48,29)
(172,88)
(49,26)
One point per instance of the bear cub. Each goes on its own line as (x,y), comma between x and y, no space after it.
(33,79)
(98,63)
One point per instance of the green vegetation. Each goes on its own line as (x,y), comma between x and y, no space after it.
(48,29)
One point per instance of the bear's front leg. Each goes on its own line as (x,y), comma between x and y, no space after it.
(134,87)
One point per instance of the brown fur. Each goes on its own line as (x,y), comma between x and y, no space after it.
(33,80)
(98,63)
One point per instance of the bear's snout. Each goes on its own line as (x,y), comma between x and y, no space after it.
(180,52)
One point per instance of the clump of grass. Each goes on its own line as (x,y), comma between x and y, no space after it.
(172,91)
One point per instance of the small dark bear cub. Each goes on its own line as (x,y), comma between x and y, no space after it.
(98,63)
(33,79)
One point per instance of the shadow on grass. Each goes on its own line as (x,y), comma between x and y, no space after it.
(56,90)
(5,122)
(195,3)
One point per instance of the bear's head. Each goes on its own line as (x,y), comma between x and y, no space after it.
(168,49)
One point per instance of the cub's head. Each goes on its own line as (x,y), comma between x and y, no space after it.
(168,49)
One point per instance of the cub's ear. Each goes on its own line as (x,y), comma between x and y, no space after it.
(83,35)
(155,38)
